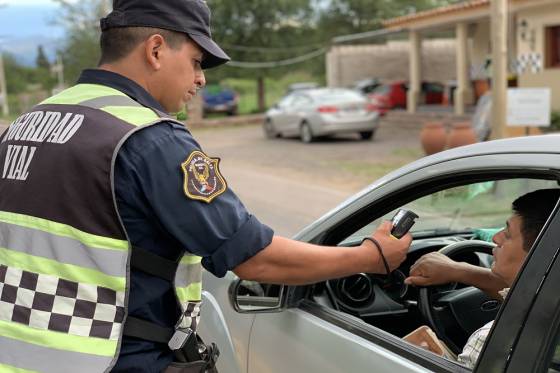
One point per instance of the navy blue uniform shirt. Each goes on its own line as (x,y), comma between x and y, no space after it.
(159,217)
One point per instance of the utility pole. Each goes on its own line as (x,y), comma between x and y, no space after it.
(58,70)
(499,67)
(3,88)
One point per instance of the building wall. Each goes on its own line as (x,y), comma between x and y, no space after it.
(534,45)
(348,64)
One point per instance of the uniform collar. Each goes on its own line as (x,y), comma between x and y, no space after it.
(120,83)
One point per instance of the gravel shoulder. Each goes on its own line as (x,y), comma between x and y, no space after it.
(344,163)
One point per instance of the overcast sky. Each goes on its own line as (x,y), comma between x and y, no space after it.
(23,18)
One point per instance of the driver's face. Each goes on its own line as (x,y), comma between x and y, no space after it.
(509,253)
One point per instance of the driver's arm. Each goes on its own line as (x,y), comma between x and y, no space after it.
(437,269)
(291,262)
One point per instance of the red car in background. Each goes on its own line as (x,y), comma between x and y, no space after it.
(394,95)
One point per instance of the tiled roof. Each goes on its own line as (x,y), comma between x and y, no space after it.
(466,5)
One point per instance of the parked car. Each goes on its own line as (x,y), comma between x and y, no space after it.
(389,96)
(218,99)
(393,95)
(321,112)
(356,324)
(367,86)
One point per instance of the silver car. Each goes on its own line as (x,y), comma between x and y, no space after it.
(320,112)
(356,324)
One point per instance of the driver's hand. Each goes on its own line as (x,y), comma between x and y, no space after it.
(394,250)
(432,269)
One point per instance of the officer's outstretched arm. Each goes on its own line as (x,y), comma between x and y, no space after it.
(291,262)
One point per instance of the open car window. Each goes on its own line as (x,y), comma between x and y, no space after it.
(463,209)
(450,217)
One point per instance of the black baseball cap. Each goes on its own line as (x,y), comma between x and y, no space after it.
(191,17)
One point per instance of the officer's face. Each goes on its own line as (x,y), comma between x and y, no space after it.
(181,76)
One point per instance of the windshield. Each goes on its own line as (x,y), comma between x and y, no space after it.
(339,96)
(466,208)
(382,90)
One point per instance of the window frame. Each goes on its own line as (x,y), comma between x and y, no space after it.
(383,205)
(552,46)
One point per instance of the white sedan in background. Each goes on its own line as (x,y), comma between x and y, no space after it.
(314,113)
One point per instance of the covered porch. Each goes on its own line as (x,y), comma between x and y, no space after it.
(485,51)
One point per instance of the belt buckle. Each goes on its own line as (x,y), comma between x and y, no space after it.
(179,338)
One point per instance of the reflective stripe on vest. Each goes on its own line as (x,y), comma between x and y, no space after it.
(63,286)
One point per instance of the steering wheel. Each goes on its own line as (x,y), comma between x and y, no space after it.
(457,313)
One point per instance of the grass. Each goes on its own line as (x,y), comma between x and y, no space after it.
(409,153)
(10,118)
(274,90)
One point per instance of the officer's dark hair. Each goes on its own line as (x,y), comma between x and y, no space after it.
(534,209)
(117,43)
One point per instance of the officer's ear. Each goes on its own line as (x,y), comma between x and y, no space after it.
(154,47)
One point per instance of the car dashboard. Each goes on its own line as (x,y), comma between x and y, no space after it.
(386,301)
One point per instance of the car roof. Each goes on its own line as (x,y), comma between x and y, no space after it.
(545,144)
(530,145)
(325,91)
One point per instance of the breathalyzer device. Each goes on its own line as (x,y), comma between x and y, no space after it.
(402,222)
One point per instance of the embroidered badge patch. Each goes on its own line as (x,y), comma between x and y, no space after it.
(203,181)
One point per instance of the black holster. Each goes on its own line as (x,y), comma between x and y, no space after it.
(195,357)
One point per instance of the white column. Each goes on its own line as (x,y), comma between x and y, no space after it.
(3,88)
(461,96)
(499,67)
(415,71)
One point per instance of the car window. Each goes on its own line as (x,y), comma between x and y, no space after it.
(382,90)
(554,353)
(554,365)
(484,205)
(300,101)
(286,101)
(338,96)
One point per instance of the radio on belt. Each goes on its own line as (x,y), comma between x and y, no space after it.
(402,222)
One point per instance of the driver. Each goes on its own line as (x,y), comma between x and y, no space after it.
(530,213)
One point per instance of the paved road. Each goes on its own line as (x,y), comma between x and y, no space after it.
(287,184)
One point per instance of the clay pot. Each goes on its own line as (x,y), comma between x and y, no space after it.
(433,137)
(461,134)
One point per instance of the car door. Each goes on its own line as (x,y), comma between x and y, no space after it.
(296,113)
(280,114)
(312,338)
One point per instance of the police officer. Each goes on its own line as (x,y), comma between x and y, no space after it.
(109,209)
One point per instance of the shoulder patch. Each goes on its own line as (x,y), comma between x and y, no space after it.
(203,180)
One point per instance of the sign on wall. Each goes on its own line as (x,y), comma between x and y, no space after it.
(528,107)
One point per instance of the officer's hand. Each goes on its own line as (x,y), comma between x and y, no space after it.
(394,249)
(433,269)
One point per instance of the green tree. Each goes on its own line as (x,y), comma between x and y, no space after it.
(342,17)
(42,73)
(81,21)
(244,28)
(18,76)
(42,61)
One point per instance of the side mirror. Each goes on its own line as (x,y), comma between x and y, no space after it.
(253,297)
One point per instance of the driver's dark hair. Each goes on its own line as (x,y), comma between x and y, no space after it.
(534,209)
(117,43)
